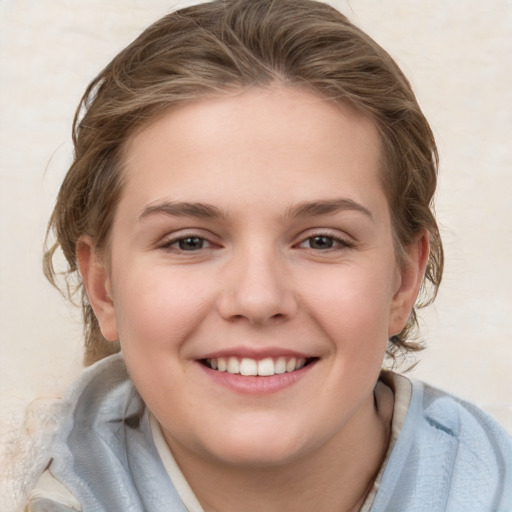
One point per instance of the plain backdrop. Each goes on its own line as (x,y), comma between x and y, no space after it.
(457,56)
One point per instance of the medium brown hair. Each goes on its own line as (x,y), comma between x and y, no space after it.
(225,45)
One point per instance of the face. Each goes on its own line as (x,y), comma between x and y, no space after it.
(252,280)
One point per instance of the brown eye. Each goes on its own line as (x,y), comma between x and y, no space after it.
(191,243)
(325,242)
(187,243)
(321,242)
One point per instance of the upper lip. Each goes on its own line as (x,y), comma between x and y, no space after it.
(256,353)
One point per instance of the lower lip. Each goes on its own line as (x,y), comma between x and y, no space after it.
(257,385)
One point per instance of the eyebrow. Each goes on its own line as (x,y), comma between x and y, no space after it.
(183,209)
(208,211)
(317,208)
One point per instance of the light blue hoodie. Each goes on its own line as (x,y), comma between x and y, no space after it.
(450,456)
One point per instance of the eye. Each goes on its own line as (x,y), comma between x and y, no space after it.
(187,244)
(324,243)
(320,242)
(191,243)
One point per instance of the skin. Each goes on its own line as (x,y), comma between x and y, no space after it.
(252,277)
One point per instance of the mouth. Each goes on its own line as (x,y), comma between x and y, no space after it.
(266,367)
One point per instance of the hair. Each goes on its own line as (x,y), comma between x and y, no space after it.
(223,46)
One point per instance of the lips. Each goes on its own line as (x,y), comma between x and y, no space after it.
(265,367)
(257,372)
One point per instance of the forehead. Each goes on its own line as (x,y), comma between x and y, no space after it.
(251,142)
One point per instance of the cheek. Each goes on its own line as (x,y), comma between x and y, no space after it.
(353,310)
(355,300)
(157,307)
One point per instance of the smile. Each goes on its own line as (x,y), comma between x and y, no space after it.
(266,367)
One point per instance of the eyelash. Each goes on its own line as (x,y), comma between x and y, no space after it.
(168,244)
(338,243)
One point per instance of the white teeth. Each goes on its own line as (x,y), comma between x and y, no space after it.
(280,365)
(264,367)
(290,365)
(221,364)
(233,365)
(248,367)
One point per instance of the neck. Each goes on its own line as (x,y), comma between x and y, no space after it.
(335,477)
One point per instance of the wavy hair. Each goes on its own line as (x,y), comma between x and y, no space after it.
(225,45)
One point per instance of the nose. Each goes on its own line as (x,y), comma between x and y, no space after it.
(257,288)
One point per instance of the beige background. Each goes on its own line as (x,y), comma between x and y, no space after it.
(458,57)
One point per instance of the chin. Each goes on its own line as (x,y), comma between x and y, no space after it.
(250,456)
(267,446)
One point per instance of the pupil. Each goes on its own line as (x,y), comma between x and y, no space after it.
(321,242)
(191,243)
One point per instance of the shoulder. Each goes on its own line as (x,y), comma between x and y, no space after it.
(91,417)
(450,456)
(480,439)
(481,460)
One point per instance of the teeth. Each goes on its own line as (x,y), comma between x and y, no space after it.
(280,365)
(290,365)
(233,365)
(264,367)
(248,367)
(221,364)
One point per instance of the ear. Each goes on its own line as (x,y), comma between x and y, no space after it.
(96,279)
(410,277)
